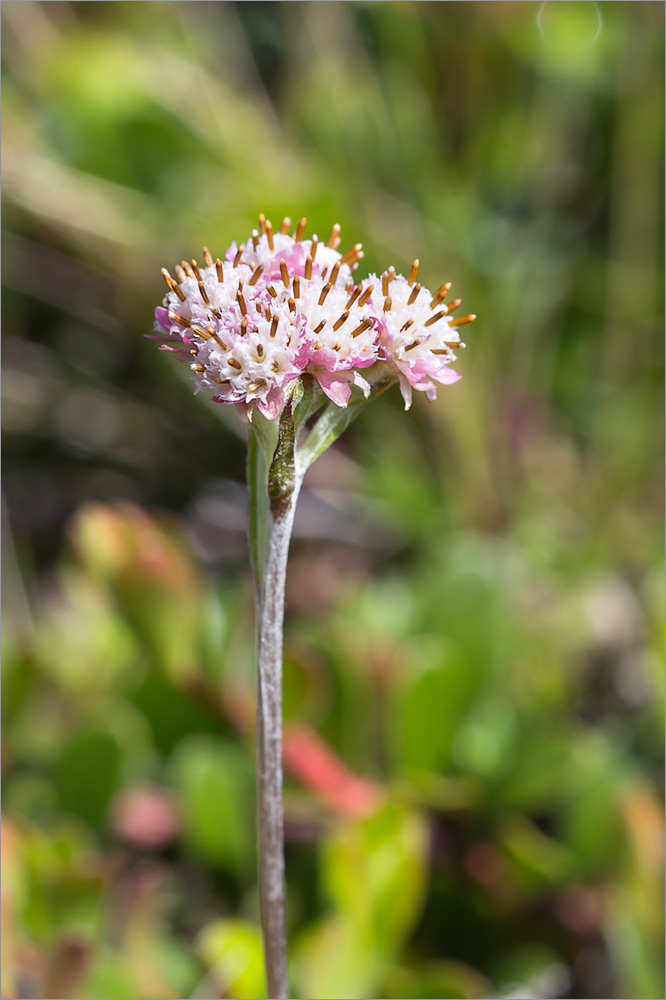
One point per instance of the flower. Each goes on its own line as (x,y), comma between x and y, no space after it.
(279,307)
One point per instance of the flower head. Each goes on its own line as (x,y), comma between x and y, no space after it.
(280,307)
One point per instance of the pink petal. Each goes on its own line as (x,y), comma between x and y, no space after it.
(294,258)
(447,376)
(272,406)
(244,410)
(406,390)
(362,384)
(322,356)
(162,321)
(335,385)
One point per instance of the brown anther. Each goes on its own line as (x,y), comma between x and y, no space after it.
(297,286)
(387,304)
(208,257)
(257,306)
(256,274)
(180,274)
(262,223)
(351,255)
(320,326)
(438,350)
(173,285)
(440,294)
(414,343)
(267,313)
(300,229)
(414,271)
(201,333)
(435,318)
(324,292)
(414,294)
(275,366)
(461,320)
(285,273)
(175,318)
(274,326)
(341,320)
(269,235)
(334,238)
(240,299)
(308,267)
(271,291)
(260,350)
(291,304)
(385,283)
(284,228)
(195,268)
(455,344)
(255,239)
(203,292)
(235,364)
(220,271)
(239,254)
(334,273)
(366,295)
(253,386)
(216,337)
(194,351)
(406,326)
(313,247)
(187,269)
(243,327)
(198,367)
(454,305)
(361,327)
(352,298)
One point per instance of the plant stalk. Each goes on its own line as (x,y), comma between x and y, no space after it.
(282,486)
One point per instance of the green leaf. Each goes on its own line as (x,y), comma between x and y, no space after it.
(334,420)
(110,976)
(88,774)
(214,785)
(538,858)
(375,873)
(232,950)
(334,960)
(261,448)
(430,703)
(453,980)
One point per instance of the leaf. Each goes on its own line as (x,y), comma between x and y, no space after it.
(334,960)
(232,950)
(453,980)
(214,784)
(334,420)
(88,774)
(375,873)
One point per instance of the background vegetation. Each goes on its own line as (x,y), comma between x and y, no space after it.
(475,626)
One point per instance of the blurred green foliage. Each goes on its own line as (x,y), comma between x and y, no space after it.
(474,647)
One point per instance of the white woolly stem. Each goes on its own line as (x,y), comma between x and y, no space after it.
(272,892)
(281,488)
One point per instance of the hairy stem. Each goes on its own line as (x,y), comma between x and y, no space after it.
(282,486)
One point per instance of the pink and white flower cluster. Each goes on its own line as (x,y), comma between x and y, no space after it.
(281,307)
